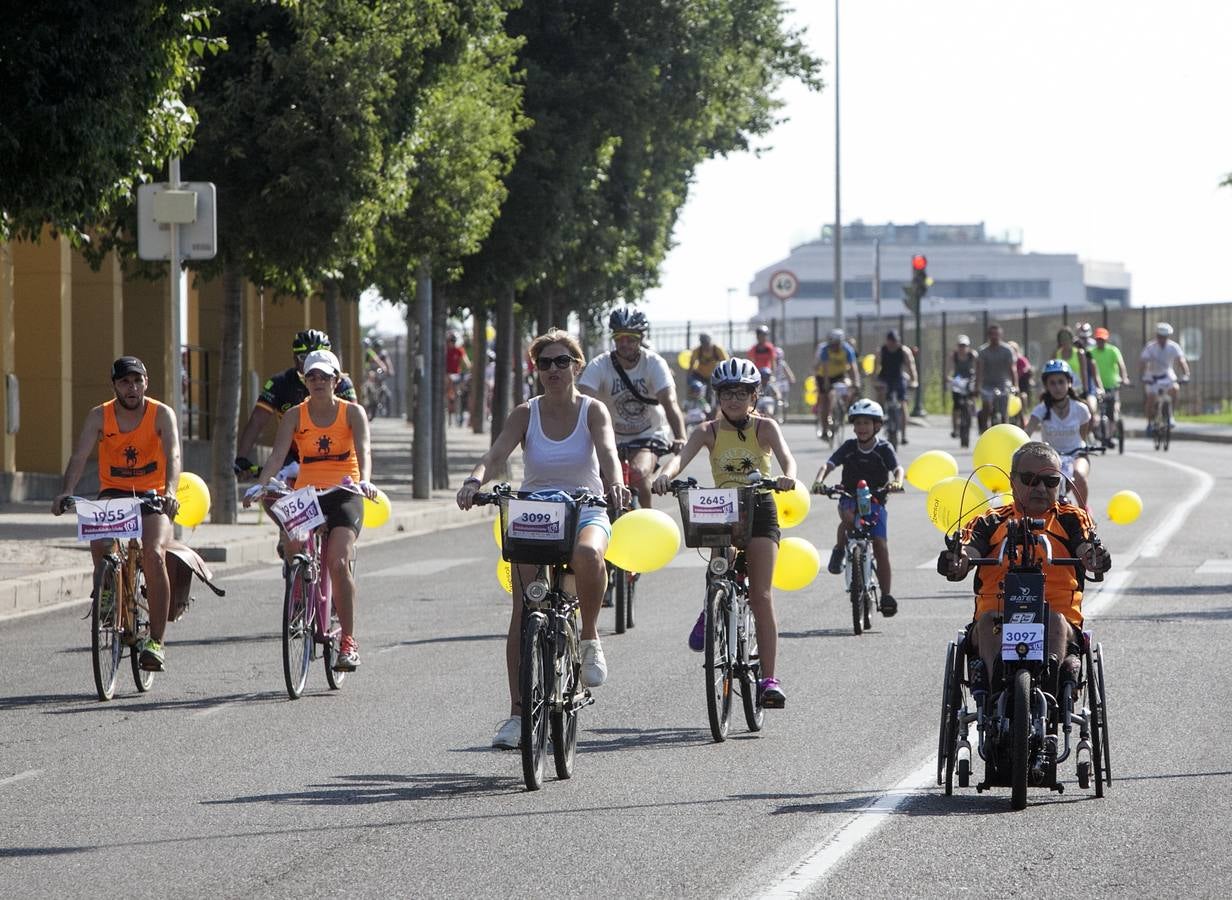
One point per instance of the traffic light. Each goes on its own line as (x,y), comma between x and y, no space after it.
(919,275)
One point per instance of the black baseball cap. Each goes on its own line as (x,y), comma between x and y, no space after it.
(126,365)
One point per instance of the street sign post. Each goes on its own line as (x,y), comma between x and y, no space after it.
(784,284)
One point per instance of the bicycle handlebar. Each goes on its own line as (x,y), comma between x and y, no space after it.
(837,490)
(154,499)
(686,484)
(492,497)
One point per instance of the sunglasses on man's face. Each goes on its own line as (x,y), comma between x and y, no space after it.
(563,361)
(1030,479)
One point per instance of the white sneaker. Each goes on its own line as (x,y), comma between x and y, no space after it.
(594,666)
(508,734)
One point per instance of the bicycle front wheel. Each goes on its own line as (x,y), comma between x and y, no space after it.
(565,718)
(622,596)
(296,631)
(142,678)
(750,672)
(1020,738)
(105,631)
(855,560)
(535,687)
(718,665)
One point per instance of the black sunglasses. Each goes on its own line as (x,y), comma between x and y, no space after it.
(563,361)
(1030,479)
(734,394)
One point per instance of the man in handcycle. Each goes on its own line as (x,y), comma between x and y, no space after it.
(1035,476)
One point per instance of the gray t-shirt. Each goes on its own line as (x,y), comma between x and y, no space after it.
(996,366)
(631,418)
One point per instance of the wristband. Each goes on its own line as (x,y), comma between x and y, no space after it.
(472,478)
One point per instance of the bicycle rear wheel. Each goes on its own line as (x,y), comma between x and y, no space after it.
(142,678)
(330,652)
(750,672)
(296,630)
(535,687)
(718,664)
(565,719)
(855,560)
(105,631)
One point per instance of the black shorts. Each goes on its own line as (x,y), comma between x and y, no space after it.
(117,493)
(765,517)
(824,383)
(343,509)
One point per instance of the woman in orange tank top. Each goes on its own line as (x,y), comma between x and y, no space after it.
(331,436)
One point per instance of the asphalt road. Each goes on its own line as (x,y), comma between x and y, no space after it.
(215,784)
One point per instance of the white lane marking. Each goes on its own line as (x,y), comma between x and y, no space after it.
(21,776)
(930,563)
(220,705)
(1215,567)
(827,854)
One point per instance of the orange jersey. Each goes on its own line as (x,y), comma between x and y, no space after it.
(326,454)
(132,460)
(1066,527)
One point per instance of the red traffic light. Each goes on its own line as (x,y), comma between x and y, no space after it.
(919,262)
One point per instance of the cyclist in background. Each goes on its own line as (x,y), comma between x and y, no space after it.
(138,445)
(1024,373)
(962,365)
(282,392)
(1112,374)
(765,355)
(894,374)
(995,370)
(705,356)
(1158,362)
(1091,388)
(835,365)
(457,368)
(1064,422)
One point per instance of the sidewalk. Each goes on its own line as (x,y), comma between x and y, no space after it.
(43,565)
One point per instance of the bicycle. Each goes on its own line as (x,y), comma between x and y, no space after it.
(541,532)
(622,585)
(966,408)
(995,409)
(309,620)
(457,397)
(722,519)
(1067,469)
(859,561)
(377,399)
(893,410)
(1111,429)
(834,429)
(1160,427)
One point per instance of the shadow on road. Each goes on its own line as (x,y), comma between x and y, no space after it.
(140,703)
(361,790)
(34,701)
(819,632)
(447,639)
(641,739)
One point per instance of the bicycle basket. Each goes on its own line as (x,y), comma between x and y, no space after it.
(716,517)
(539,532)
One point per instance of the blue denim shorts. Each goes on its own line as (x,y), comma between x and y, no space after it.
(880,517)
(596,516)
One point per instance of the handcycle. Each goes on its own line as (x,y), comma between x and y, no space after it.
(961,386)
(1016,715)
(310,625)
(541,531)
(1110,432)
(722,519)
(119,603)
(859,562)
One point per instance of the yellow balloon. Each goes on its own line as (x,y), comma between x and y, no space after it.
(953,502)
(993,451)
(194,497)
(792,505)
(930,467)
(504,574)
(810,397)
(496,534)
(643,540)
(490,334)
(868,364)
(683,358)
(810,385)
(1013,406)
(797,564)
(1124,507)
(376,512)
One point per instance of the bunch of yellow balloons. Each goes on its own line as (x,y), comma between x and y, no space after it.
(810,390)
(797,564)
(993,453)
(643,540)
(377,512)
(194,497)
(793,506)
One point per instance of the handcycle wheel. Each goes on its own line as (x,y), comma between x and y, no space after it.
(297,634)
(142,678)
(534,685)
(943,748)
(1103,714)
(951,724)
(1020,739)
(564,720)
(856,561)
(105,630)
(718,664)
(750,674)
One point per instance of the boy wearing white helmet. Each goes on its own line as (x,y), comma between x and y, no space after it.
(870,459)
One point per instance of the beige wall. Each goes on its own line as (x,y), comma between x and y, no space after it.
(98,329)
(8,442)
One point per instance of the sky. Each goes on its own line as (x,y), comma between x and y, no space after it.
(1095,127)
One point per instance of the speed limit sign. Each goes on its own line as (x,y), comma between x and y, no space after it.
(784,284)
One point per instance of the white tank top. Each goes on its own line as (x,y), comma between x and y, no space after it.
(568,465)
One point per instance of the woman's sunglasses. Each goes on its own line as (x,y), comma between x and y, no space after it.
(561,362)
(739,394)
(1031,479)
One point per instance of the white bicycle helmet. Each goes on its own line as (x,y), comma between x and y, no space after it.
(870,408)
(836,335)
(735,371)
(1163,329)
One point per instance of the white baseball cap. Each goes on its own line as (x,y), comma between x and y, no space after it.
(963,340)
(323,360)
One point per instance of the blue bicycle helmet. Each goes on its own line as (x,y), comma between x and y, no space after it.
(1058,367)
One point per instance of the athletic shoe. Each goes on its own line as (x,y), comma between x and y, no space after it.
(348,655)
(771,693)
(697,637)
(903,440)
(836,561)
(594,666)
(889,606)
(508,734)
(153,657)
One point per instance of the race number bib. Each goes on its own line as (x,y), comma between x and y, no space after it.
(531,520)
(299,512)
(102,519)
(714,506)
(1016,636)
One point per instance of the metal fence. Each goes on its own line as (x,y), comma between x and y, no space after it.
(1204,331)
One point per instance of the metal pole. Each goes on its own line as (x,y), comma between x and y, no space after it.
(838,207)
(877,277)
(918,408)
(421,437)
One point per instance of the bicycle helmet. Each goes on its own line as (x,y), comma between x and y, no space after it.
(628,318)
(1163,329)
(1057,367)
(735,371)
(836,335)
(1084,330)
(869,408)
(310,339)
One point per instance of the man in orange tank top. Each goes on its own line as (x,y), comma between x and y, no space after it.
(138,446)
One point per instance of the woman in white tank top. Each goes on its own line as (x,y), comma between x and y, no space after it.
(567,445)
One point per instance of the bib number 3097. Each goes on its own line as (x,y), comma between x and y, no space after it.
(1022,641)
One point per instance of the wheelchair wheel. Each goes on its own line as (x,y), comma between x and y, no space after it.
(1103,713)
(943,749)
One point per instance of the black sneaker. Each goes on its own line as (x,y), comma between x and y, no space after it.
(836,561)
(889,606)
